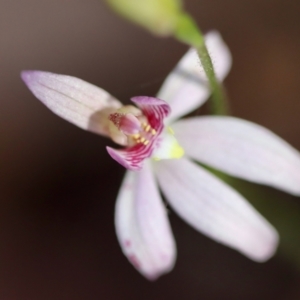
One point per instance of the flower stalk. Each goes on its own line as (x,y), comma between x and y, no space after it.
(168,18)
(189,33)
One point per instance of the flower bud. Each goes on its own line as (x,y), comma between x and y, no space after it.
(158,16)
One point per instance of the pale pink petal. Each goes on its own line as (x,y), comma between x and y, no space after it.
(155,111)
(215,209)
(71,98)
(242,149)
(142,225)
(186,87)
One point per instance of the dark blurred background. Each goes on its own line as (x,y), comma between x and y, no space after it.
(58,185)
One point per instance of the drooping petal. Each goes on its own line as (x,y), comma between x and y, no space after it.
(242,149)
(215,209)
(73,99)
(142,225)
(155,110)
(186,87)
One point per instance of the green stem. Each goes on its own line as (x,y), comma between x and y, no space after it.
(189,33)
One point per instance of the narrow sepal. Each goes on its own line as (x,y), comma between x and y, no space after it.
(71,98)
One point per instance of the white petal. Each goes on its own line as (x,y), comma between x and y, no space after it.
(73,99)
(215,209)
(142,225)
(242,149)
(186,87)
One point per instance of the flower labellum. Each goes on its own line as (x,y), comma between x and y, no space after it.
(144,130)
(159,149)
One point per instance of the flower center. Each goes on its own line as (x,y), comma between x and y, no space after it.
(145,135)
(141,131)
(129,127)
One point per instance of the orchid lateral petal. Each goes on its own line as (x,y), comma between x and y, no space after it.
(142,226)
(186,87)
(215,209)
(155,111)
(242,149)
(73,99)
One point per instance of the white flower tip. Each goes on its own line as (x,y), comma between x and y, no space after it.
(152,271)
(151,264)
(261,244)
(166,267)
(28,76)
(264,251)
(32,79)
(215,36)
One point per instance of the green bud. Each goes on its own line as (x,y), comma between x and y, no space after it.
(159,16)
(188,32)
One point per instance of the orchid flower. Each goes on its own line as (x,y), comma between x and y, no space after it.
(160,150)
